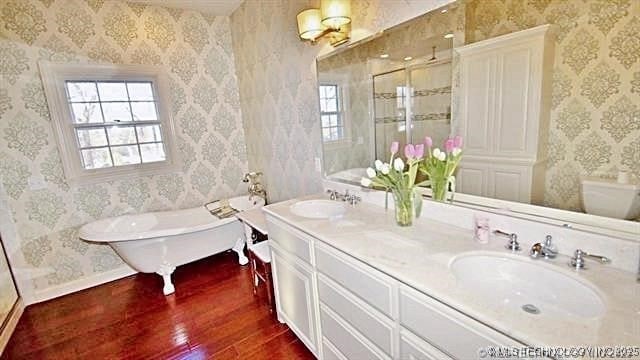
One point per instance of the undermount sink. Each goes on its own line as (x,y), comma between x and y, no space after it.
(318,209)
(534,288)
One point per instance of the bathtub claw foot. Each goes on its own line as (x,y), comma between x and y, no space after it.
(165,271)
(239,249)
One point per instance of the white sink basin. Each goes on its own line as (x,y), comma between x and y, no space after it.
(318,209)
(531,287)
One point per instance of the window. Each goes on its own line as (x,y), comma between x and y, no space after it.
(111,121)
(333,128)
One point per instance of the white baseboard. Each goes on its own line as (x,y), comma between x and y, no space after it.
(10,325)
(81,284)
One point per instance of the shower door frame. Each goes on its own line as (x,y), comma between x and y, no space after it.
(409,98)
(15,308)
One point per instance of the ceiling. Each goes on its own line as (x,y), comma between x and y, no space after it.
(214,7)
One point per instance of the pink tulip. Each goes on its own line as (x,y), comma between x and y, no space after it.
(457,141)
(409,151)
(449,145)
(394,147)
(428,141)
(419,151)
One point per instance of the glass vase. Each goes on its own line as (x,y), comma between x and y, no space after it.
(408,204)
(439,188)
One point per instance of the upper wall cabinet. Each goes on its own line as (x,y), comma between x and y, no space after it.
(505,93)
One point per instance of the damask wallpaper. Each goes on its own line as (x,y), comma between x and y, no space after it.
(595,117)
(196,51)
(277,80)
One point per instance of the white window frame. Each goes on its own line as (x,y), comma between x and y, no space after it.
(54,78)
(343,99)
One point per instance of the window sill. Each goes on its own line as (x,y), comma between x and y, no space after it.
(123,172)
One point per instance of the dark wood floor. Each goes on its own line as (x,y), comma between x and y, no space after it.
(213,314)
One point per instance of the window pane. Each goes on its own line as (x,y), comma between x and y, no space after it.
(116,112)
(82,91)
(331,92)
(334,133)
(86,113)
(91,137)
(119,135)
(323,105)
(149,133)
(152,152)
(96,158)
(144,111)
(112,91)
(332,105)
(322,92)
(125,155)
(325,120)
(140,91)
(334,120)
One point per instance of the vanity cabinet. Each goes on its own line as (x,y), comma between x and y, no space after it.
(342,308)
(505,93)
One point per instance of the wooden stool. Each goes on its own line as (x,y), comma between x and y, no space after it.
(260,264)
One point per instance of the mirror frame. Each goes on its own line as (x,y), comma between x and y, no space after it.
(623,229)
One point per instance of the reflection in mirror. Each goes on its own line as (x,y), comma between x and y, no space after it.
(539,127)
(395,87)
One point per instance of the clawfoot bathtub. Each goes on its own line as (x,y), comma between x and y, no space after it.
(157,242)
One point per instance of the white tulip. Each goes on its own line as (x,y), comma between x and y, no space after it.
(398,164)
(378,165)
(442,156)
(436,153)
(365,182)
(371,173)
(456,151)
(385,169)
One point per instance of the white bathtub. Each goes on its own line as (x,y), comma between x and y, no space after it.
(157,242)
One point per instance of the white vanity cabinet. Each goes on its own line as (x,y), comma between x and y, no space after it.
(505,93)
(342,308)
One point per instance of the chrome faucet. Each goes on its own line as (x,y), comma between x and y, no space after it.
(255,187)
(513,243)
(578,261)
(547,250)
(352,199)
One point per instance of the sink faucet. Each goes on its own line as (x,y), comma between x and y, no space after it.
(513,243)
(255,187)
(578,262)
(547,250)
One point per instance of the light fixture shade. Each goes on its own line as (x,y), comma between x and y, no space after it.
(335,13)
(309,24)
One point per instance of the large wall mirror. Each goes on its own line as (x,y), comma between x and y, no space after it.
(431,76)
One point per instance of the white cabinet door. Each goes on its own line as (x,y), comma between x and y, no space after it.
(472,179)
(295,297)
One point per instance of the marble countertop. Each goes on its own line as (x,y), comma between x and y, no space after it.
(419,256)
(254,218)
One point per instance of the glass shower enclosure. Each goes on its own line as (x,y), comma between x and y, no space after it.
(411,103)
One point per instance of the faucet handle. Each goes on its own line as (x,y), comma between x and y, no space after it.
(577,261)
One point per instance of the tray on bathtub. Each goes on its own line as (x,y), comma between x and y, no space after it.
(220,209)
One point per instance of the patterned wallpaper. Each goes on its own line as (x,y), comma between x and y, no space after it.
(277,80)
(196,51)
(595,117)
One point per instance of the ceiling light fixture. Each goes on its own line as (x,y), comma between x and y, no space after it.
(448,36)
(384,56)
(333,19)
(408,58)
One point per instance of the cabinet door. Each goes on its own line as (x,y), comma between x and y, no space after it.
(414,348)
(472,179)
(295,297)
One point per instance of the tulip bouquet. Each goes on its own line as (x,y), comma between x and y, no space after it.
(393,177)
(440,165)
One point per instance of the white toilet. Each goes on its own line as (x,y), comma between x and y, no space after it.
(610,198)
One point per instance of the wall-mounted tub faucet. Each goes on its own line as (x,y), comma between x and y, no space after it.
(255,187)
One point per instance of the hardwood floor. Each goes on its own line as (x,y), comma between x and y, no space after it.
(213,314)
